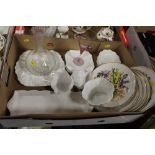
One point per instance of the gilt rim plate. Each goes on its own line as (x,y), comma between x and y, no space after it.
(150,74)
(122,78)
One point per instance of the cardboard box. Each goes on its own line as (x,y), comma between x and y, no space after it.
(10,83)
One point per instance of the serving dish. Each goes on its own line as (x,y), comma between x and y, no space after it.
(44,102)
(33,69)
(107,56)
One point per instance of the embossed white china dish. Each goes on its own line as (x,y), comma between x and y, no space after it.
(33,67)
(77,61)
(44,102)
(80,65)
(107,56)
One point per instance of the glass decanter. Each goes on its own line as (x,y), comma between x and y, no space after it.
(40,61)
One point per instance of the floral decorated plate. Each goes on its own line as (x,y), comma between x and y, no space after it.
(146,91)
(150,74)
(124,107)
(141,94)
(122,78)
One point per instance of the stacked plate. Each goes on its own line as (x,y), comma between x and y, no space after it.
(142,94)
(134,88)
(150,82)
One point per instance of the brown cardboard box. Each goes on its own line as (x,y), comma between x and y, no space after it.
(22,43)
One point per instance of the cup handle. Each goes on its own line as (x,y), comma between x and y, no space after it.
(79,78)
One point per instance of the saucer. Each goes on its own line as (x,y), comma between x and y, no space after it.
(150,74)
(76,61)
(146,91)
(107,56)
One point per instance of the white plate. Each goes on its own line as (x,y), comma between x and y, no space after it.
(146,91)
(131,103)
(44,102)
(77,61)
(27,78)
(141,94)
(123,79)
(151,77)
(107,56)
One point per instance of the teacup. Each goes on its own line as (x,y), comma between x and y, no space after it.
(98,91)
